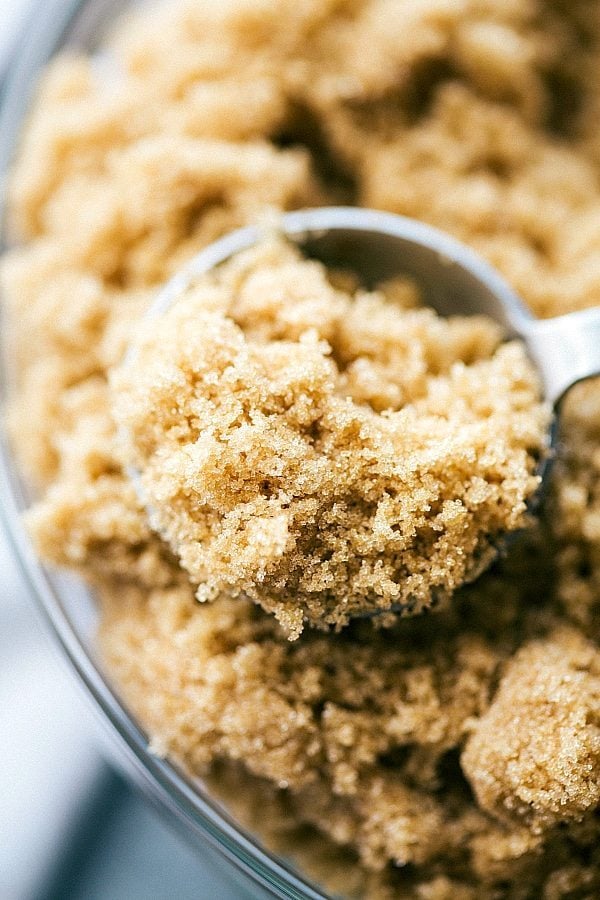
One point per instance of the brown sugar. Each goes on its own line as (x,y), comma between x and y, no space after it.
(327,454)
(535,754)
(452,755)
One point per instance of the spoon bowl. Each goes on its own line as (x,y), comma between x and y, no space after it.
(453,280)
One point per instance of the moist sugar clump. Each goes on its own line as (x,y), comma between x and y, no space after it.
(535,755)
(323,452)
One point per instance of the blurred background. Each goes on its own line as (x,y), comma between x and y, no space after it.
(70,827)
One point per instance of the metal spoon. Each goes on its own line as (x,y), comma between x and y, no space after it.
(453,279)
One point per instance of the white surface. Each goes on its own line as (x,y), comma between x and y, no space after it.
(48,756)
(12,16)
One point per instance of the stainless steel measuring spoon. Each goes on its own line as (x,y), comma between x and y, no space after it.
(453,279)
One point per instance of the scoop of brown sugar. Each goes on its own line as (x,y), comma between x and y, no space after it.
(323,450)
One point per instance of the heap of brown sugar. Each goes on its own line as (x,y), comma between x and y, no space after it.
(326,453)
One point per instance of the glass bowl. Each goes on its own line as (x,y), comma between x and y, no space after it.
(66,604)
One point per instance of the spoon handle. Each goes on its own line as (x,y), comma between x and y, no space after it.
(566,350)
